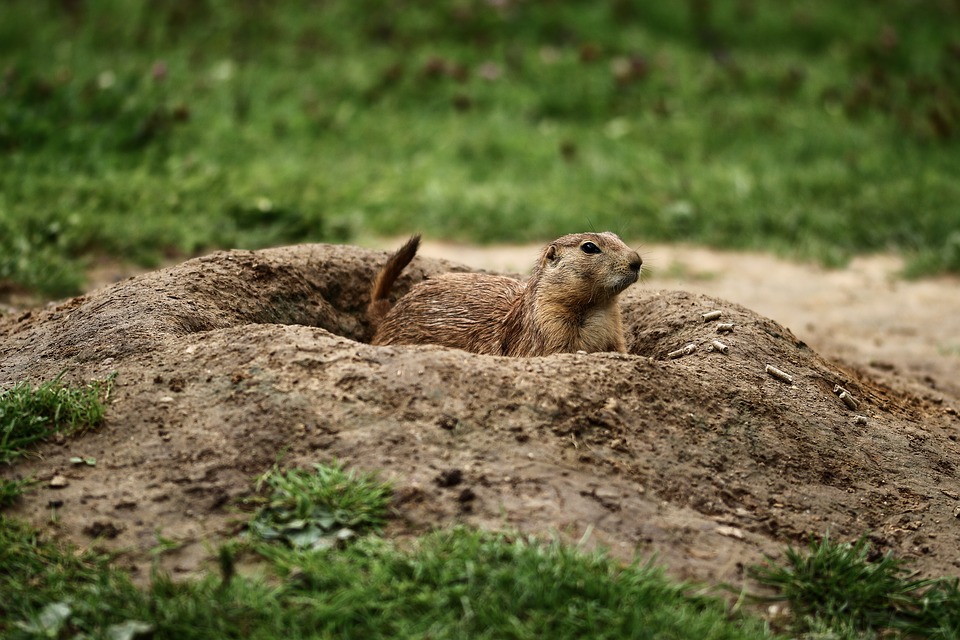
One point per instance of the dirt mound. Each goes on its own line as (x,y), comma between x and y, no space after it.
(231,362)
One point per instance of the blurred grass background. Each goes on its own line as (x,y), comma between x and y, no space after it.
(145,130)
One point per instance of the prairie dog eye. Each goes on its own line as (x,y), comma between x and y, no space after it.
(589,247)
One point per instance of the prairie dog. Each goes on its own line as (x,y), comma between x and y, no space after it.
(569,303)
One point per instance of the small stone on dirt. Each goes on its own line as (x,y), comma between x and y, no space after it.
(730,532)
(58,482)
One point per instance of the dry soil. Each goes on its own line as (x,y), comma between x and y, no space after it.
(232,362)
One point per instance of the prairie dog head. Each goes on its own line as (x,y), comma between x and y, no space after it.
(586,269)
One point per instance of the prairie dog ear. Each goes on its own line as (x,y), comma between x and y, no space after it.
(550,255)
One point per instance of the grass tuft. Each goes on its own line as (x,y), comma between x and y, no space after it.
(849,588)
(39,580)
(11,490)
(319,508)
(29,415)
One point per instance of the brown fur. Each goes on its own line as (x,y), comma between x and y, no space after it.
(569,303)
(379,302)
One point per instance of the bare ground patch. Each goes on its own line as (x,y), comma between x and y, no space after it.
(231,362)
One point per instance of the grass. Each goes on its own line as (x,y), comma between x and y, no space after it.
(452,584)
(320,508)
(29,415)
(456,583)
(817,130)
(11,490)
(466,584)
(144,131)
(851,589)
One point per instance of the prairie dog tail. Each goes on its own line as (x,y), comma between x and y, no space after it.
(379,292)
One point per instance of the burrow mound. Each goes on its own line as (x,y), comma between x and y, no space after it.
(228,363)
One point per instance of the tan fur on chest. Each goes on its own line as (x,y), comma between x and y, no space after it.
(593,330)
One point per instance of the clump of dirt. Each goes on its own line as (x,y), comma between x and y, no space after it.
(229,363)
